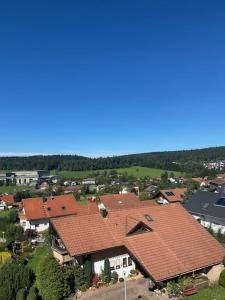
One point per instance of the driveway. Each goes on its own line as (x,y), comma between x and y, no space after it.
(135,288)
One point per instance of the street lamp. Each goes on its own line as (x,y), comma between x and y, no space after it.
(3,235)
(125,286)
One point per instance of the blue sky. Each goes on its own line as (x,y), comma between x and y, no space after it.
(111,77)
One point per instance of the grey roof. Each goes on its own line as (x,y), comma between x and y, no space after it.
(204,204)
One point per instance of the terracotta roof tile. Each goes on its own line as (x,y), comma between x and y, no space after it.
(173,195)
(8,199)
(177,244)
(40,208)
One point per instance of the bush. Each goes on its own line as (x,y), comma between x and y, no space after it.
(114,277)
(51,280)
(95,280)
(134,272)
(121,279)
(224,261)
(33,295)
(222,279)
(107,272)
(88,271)
(21,294)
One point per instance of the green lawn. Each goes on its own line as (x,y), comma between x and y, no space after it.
(39,253)
(12,189)
(132,171)
(212,293)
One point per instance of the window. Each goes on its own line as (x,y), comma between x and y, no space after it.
(117,267)
(124,262)
(130,262)
(112,268)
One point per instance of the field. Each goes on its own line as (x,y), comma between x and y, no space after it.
(12,189)
(132,171)
(211,293)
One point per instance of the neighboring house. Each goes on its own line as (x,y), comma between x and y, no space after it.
(219,182)
(172,195)
(36,212)
(44,186)
(72,189)
(152,190)
(164,242)
(123,201)
(89,181)
(26,177)
(209,209)
(6,201)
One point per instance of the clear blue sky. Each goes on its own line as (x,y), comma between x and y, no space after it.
(111,77)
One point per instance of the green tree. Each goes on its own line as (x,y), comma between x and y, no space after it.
(33,295)
(80,278)
(21,294)
(51,282)
(88,271)
(222,279)
(13,277)
(107,272)
(14,233)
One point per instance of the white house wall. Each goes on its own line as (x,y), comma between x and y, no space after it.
(116,262)
(38,225)
(215,227)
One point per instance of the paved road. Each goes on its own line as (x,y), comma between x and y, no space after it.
(135,288)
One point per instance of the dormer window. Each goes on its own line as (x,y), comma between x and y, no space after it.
(139,228)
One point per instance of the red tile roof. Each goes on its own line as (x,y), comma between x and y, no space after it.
(63,205)
(173,195)
(8,199)
(123,201)
(177,243)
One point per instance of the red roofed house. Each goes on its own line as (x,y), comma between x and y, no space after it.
(36,212)
(172,195)
(163,241)
(123,201)
(6,201)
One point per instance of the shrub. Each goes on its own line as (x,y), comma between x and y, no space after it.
(88,271)
(222,279)
(95,280)
(107,272)
(33,295)
(114,277)
(51,281)
(134,272)
(121,279)
(224,261)
(21,294)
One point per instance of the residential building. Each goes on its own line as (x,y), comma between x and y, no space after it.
(164,242)
(36,212)
(6,201)
(208,208)
(172,195)
(89,181)
(123,201)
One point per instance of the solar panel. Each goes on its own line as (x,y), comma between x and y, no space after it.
(169,193)
(220,202)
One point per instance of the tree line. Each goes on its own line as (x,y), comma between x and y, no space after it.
(169,160)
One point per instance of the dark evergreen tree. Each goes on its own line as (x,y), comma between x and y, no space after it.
(107,272)
(88,271)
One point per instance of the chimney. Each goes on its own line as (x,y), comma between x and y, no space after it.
(102,210)
(104,213)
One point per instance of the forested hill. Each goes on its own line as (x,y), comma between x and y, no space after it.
(170,160)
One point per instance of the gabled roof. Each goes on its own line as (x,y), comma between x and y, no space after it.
(63,205)
(173,195)
(204,204)
(123,201)
(8,199)
(177,243)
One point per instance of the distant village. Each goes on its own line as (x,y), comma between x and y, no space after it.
(165,229)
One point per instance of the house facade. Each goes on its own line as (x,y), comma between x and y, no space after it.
(35,213)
